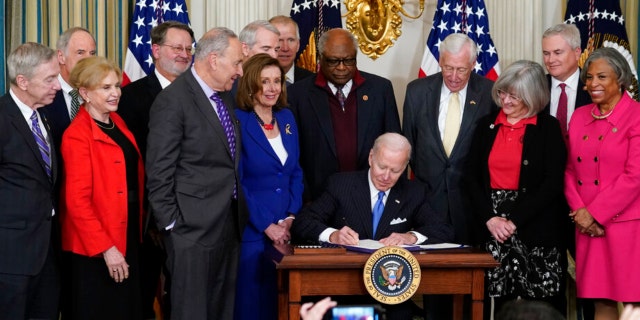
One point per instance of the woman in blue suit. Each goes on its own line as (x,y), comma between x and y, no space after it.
(271,179)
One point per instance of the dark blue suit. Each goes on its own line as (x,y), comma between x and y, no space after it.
(57,114)
(272,191)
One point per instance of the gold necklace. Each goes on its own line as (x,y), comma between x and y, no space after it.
(100,124)
(601,116)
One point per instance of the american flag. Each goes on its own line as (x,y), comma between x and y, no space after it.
(461,16)
(312,22)
(601,24)
(148,14)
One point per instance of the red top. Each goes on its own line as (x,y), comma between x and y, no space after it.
(506,153)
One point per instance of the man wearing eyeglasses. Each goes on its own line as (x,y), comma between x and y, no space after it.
(440,115)
(340,112)
(172,49)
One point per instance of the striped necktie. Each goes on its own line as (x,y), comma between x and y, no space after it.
(43,146)
(75,103)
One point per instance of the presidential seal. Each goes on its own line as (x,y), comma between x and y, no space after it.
(392,275)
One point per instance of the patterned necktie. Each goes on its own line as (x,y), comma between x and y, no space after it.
(561,113)
(225,120)
(43,146)
(378,208)
(340,96)
(75,103)
(452,123)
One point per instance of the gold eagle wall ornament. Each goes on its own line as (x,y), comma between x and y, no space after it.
(376,23)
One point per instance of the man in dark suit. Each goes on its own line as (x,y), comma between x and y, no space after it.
(440,116)
(561,52)
(436,162)
(193,152)
(289,45)
(346,211)
(73,45)
(172,50)
(340,112)
(28,171)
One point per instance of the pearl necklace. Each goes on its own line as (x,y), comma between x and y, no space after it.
(601,116)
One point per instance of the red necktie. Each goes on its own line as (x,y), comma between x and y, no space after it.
(561,114)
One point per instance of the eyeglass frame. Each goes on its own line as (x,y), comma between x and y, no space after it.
(333,63)
(177,49)
(503,94)
(459,70)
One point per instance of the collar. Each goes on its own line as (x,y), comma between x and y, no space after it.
(357,80)
(571,82)
(66,88)
(501,119)
(164,82)
(462,93)
(618,112)
(205,87)
(290,75)
(24,109)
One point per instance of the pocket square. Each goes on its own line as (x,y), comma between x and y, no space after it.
(398,221)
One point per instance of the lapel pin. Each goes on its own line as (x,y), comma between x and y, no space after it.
(491,126)
(473,102)
(365,97)
(397,201)
(287,129)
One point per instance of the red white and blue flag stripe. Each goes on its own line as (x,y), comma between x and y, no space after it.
(148,14)
(461,16)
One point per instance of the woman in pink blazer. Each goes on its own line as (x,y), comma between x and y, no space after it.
(102,187)
(602,185)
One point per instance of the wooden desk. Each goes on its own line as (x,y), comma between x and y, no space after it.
(457,272)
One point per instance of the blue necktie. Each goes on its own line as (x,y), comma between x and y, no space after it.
(378,208)
(43,146)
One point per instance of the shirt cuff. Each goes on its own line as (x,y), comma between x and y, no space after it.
(324,236)
(421,238)
(170,226)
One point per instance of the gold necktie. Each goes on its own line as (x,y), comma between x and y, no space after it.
(452,123)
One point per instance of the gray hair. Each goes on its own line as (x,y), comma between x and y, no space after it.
(63,40)
(394,142)
(285,20)
(617,62)
(322,42)
(454,42)
(26,58)
(248,33)
(215,40)
(527,80)
(568,32)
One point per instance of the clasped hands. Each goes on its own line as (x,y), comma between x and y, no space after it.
(501,228)
(585,223)
(279,233)
(346,236)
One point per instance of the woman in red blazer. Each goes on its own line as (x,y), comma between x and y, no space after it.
(101,196)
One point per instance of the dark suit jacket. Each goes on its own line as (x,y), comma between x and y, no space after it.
(301,73)
(135,104)
(377,114)
(582,97)
(539,213)
(190,171)
(347,201)
(443,175)
(26,194)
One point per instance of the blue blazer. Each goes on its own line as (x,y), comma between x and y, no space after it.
(272,190)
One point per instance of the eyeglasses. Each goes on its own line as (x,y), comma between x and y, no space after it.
(503,95)
(348,62)
(450,70)
(179,49)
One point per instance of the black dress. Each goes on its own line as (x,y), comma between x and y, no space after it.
(97,295)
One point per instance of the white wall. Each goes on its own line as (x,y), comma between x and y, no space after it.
(516,27)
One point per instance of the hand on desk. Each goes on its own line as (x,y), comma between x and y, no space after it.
(398,239)
(344,236)
(310,311)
